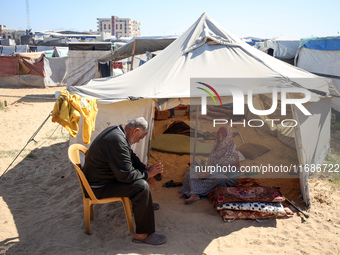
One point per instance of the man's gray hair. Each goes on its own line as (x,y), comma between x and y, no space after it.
(138,122)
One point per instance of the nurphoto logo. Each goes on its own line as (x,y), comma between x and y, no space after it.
(239,103)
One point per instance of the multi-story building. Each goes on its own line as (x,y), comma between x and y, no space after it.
(119,27)
(14,35)
(3,28)
(104,25)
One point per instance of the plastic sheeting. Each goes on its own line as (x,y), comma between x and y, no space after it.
(321,43)
(80,66)
(286,48)
(322,62)
(55,69)
(8,50)
(142,45)
(25,69)
(35,66)
(23,80)
(9,65)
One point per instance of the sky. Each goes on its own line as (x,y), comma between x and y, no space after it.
(262,18)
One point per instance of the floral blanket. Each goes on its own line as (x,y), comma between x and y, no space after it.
(223,195)
(250,201)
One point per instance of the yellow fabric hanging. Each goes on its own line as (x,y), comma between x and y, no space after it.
(88,109)
(66,114)
(67,110)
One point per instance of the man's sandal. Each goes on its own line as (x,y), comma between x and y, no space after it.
(153,239)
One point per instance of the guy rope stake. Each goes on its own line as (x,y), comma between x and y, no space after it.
(31,139)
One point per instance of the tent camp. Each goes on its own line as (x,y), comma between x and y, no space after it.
(207,51)
(321,56)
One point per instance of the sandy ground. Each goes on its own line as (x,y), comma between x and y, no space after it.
(42,212)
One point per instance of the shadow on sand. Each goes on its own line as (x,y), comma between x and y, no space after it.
(44,197)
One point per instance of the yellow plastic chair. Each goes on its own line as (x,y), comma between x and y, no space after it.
(74,155)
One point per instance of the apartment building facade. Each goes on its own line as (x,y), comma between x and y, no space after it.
(119,27)
(11,35)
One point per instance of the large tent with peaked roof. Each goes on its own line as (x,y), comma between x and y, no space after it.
(206,51)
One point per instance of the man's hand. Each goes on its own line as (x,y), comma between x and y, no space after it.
(154,169)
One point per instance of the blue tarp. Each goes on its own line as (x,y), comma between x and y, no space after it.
(321,43)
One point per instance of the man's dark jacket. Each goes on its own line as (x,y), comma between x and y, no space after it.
(110,158)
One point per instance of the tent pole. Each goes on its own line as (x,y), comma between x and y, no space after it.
(133,54)
(96,68)
(194,151)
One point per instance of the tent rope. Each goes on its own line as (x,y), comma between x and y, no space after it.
(30,97)
(30,140)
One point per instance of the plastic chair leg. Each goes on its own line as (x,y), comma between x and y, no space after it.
(128,213)
(87,216)
(91,211)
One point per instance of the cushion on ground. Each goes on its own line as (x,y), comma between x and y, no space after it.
(275,208)
(252,150)
(180,144)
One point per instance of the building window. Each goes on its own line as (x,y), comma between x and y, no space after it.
(104,26)
(116,26)
(109,26)
(121,26)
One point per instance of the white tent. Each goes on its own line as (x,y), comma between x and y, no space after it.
(283,48)
(206,50)
(321,55)
(80,65)
(286,48)
(139,45)
(136,49)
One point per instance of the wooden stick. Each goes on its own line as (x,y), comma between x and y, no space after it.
(296,207)
(262,136)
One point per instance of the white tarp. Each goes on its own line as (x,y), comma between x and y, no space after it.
(265,45)
(286,48)
(322,62)
(21,48)
(206,50)
(80,66)
(139,45)
(55,69)
(8,50)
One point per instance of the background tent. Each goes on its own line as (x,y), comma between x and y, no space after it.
(286,48)
(206,50)
(321,55)
(139,45)
(282,48)
(32,69)
(135,49)
(80,65)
